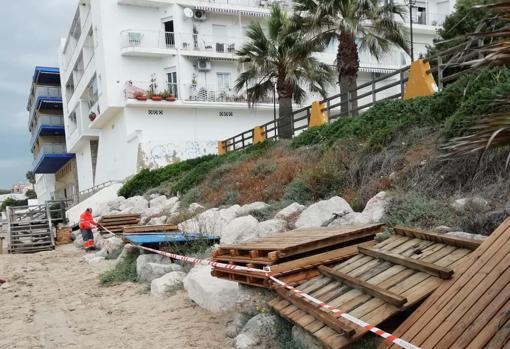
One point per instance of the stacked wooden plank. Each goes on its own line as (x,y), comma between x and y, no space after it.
(149,229)
(292,256)
(64,236)
(473,309)
(375,285)
(116,223)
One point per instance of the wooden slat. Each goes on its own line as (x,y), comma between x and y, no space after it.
(442,238)
(136,229)
(366,287)
(416,264)
(338,325)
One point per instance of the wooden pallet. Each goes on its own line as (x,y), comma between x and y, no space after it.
(141,229)
(375,285)
(64,236)
(288,245)
(116,223)
(473,309)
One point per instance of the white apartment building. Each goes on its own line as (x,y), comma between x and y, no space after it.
(186,47)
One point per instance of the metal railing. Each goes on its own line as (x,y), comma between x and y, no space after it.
(388,86)
(48,149)
(85,194)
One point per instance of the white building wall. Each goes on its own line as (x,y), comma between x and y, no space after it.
(84,166)
(44,186)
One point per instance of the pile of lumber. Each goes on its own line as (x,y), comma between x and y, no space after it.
(377,284)
(150,229)
(292,256)
(116,223)
(473,309)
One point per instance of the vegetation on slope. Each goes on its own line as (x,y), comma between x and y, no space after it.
(393,146)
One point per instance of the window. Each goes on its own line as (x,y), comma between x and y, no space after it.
(172,83)
(223,81)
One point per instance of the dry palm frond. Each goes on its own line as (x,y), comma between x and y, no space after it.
(491,132)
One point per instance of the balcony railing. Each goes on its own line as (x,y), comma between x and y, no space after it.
(50,120)
(152,39)
(49,149)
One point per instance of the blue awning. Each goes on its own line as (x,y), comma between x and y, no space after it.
(52,130)
(45,103)
(178,237)
(51,163)
(46,76)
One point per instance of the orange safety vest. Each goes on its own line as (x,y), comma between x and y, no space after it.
(87,221)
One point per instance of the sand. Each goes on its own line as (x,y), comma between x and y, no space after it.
(54,300)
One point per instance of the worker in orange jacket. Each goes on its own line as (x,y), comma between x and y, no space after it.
(86,224)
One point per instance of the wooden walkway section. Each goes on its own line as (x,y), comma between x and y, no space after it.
(149,229)
(116,223)
(473,309)
(376,284)
(292,256)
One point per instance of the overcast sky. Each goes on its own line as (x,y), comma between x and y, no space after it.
(30,35)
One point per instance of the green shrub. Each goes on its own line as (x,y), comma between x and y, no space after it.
(297,191)
(123,271)
(263,168)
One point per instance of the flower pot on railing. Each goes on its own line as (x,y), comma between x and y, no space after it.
(92,116)
(141,96)
(156,98)
(170,98)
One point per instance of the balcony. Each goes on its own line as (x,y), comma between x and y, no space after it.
(50,158)
(154,43)
(228,7)
(48,125)
(43,98)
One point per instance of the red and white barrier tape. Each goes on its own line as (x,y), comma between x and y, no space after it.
(323,306)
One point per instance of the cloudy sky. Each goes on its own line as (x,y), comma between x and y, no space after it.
(31,32)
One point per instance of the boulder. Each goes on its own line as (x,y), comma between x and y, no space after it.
(270,226)
(151,271)
(305,340)
(212,221)
(465,235)
(99,240)
(157,201)
(167,283)
(477,203)
(195,208)
(126,251)
(240,229)
(259,332)
(145,259)
(236,324)
(290,212)
(112,247)
(373,212)
(78,241)
(252,300)
(135,204)
(323,212)
(157,220)
(214,294)
(253,207)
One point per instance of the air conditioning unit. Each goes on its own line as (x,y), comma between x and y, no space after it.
(203,65)
(199,15)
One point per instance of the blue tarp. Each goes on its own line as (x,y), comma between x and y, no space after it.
(46,75)
(178,238)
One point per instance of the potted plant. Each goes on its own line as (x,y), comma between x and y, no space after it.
(167,96)
(153,88)
(92,116)
(141,96)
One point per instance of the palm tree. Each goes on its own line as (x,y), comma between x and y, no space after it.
(356,25)
(284,55)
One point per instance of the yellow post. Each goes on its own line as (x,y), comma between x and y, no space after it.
(317,116)
(259,135)
(421,81)
(222,149)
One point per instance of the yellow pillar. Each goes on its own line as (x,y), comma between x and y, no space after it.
(259,135)
(421,81)
(317,116)
(222,149)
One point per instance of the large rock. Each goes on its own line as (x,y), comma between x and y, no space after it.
(145,259)
(151,271)
(373,212)
(135,204)
(214,294)
(195,208)
(212,221)
(259,332)
(253,207)
(304,339)
(240,229)
(158,201)
(128,250)
(323,212)
(477,203)
(157,220)
(112,247)
(271,226)
(167,283)
(465,235)
(290,212)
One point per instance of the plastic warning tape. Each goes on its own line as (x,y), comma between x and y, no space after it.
(323,306)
